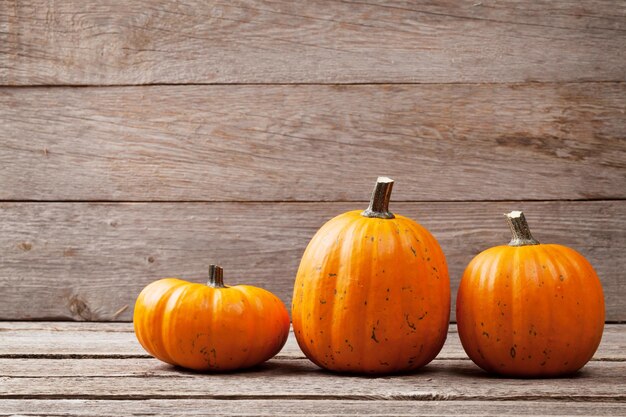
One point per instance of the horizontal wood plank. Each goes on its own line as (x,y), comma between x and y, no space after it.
(89,261)
(33,368)
(197,407)
(314,143)
(143,42)
(283,379)
(66,340)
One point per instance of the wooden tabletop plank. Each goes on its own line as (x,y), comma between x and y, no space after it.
(145,42)
(288,378)
(66,340)
(314,143)
(302,407)
(88,261)
(135,367)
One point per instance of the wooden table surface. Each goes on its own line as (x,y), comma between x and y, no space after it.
(66,368)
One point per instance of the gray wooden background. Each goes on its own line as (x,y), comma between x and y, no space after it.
(145,139)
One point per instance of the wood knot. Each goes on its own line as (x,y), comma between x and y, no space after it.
(25,246)
(79,309)
(150,259)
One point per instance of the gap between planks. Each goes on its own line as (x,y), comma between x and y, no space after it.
(339,83)
(531,200)
(80,356)
(415,397)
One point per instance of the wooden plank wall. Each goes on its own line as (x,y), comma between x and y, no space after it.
(148,138)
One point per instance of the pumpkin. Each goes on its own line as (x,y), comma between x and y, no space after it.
(210,327)
(530,310)
(372,293)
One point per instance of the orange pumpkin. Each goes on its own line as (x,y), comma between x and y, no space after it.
(210,327)
(528,309)
(372,293)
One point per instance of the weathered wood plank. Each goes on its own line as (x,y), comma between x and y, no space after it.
(60,327)
(282,143)
(286,407)
(87,261)
(284,379)
(76,340)
(117,42)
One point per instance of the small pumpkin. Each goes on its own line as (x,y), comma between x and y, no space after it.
(530,310)
(372,293)
(210,327)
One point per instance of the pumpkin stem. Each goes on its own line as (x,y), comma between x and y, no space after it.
(519,229)
(379,203)
(216,277)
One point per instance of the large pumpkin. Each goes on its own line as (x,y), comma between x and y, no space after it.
(210,327)
(528,309)
(372,293)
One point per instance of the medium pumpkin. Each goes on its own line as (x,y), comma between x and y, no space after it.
(210,327)
(528,309)
(372,293)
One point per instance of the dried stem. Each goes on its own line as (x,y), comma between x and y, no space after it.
(379,203)
(519,229)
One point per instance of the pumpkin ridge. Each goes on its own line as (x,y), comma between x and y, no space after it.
(554,262)
(534,290)
(152,306)
(170,319)
(507,305)
(344,271)
(250,313)
(349,336)
(415,239)
(517,309)
(380,293)
(584,270)
(257,308)
(320,309)
(563,267)
(553,308)
(408,320)
(489,277)
(482,330)
(162,310)
(367,228)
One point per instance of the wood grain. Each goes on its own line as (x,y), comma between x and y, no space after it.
(87,261)
(146,42)
(284,379)
(70,340)
(91,386)
(314,143)
(299,407)
(107,386)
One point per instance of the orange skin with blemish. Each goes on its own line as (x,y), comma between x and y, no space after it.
(371,296)
(530,311)
(210,329)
